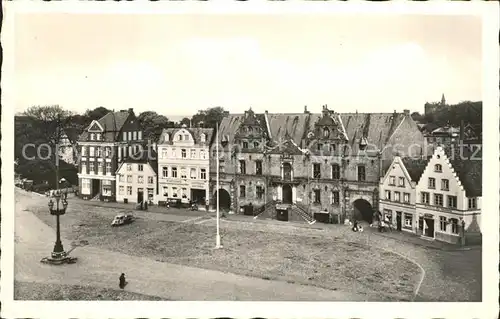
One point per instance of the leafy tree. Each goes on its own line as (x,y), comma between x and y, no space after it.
(96,113)
(209,117)
(185,121)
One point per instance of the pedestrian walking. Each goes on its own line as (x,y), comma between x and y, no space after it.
(122,281)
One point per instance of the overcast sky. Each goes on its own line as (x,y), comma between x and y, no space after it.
(176,65)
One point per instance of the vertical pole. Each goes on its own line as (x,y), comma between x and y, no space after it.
(217,241)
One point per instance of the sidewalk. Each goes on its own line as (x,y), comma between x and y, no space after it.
(101,268)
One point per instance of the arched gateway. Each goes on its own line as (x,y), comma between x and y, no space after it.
(363,210)
(224,199)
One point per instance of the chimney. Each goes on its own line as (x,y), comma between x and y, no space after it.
(305,110)
(406,112)
(131,110)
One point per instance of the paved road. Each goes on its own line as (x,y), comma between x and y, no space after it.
(101,268)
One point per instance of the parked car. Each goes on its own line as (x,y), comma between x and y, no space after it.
(122,219)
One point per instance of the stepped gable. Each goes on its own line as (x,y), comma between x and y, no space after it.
(376,128)
(468,166)
(112,123)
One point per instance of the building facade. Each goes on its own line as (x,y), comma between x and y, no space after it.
(183,165)
(308,166)
(137,178)
(102,146)
(398,193)
(448,203)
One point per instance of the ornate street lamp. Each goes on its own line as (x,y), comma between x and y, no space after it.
(58,256)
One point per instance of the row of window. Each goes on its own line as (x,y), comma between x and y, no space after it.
(100,167)
(95,136)
(185,137)
(140,179)
(407,218)
(96,151)
(244,144)
(259,190)
(106,186)
(173,173)
(397,196)
(175,192)
(438,200)
(445,184)
(392,181)
(334,197)
(316,172)
(443,224)
(121,191)
(132,136)
(183,154)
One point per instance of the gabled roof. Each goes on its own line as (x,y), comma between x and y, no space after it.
(469,168)
(196,132)
(112,123)
(414,167)
(376,127)
(143,157)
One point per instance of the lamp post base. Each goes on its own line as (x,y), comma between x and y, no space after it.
(59,258)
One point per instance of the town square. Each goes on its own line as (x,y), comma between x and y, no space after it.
(219,158)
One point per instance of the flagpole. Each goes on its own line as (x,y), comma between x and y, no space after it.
(217,240)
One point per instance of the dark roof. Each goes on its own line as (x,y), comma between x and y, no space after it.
(415,167)
(376,127)
(469,167)
(195,132)
(72,134)
(146,157)
(112,123)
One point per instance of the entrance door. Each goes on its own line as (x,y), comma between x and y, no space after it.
(96,186)
(421,225)
(398,220)
(140,195)
(429,232)
(287,194)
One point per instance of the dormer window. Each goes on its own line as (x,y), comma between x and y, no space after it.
(92,136)
(98,137)
(363,143)
(166,137)
(255,144)
(326,132)
(202,138)
(245,144)
(250,129)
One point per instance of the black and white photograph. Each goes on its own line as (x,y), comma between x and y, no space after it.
(232,156)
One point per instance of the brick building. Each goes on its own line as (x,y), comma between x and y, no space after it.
(308,166)
(102,146)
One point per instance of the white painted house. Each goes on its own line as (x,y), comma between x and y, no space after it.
(398,189)
(136,178)
(183,164)
(448,202)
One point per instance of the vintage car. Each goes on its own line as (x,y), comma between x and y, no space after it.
(122,219)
